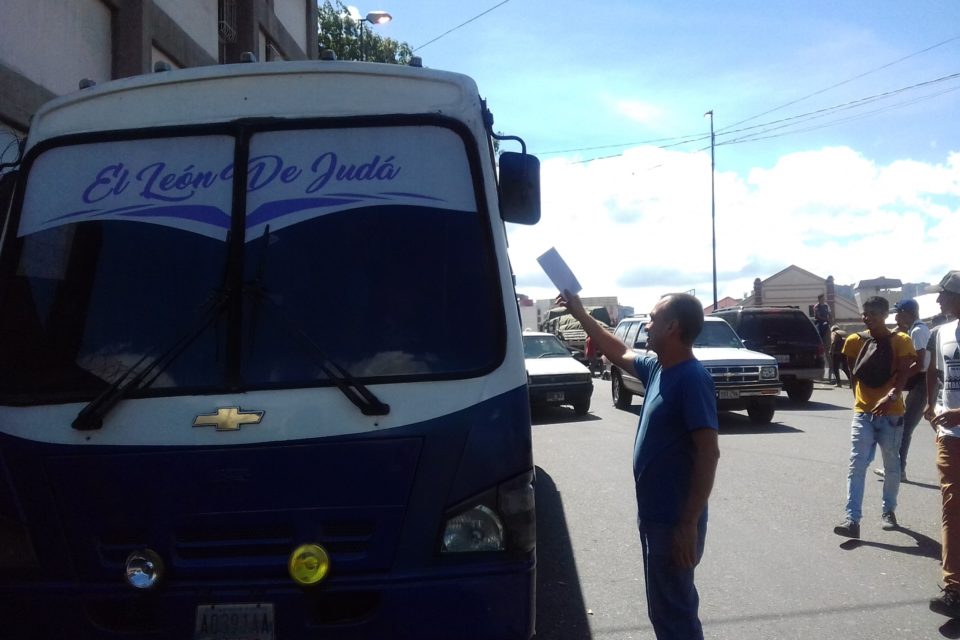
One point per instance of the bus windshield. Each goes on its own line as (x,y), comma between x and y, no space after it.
(346,246)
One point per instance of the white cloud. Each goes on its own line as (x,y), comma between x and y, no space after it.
(639,225)
(639,111)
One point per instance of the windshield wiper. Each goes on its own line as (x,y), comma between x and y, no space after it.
(356,391)
(92,415)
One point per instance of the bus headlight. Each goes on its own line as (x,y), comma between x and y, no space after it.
(144,569)
(308,564)
(768,373)
(476,529)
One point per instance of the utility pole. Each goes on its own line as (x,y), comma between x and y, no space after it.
(713,209)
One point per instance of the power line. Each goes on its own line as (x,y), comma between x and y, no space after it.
(461,25)
(697,137)
(847,81)
(680,140)
(818,113)
(857,116)
(782,123)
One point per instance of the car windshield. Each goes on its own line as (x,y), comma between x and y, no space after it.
(543,347)
(717,334)
(359,252)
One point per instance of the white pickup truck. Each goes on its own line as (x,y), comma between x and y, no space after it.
(744,379)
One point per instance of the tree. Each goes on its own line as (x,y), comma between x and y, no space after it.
(341,33)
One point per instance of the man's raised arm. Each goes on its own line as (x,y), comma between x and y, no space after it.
(605,342)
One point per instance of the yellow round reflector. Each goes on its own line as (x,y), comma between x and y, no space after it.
(308,564)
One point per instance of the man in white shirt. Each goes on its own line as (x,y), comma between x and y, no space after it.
(945,417)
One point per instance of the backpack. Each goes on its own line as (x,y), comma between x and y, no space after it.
(874,364)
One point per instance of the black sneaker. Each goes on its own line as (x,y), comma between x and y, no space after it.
(848,528)
(947,603)
(889,521)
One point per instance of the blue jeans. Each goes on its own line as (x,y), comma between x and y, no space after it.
(672,598)
(915,403)
(866,432)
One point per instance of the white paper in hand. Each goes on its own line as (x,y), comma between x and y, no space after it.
(559,273)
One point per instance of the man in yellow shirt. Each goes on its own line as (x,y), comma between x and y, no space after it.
(877,412)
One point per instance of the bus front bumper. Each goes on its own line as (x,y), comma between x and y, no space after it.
(475,606)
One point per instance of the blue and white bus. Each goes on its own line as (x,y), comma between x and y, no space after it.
(243,403)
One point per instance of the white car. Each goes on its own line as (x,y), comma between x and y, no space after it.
(554,377)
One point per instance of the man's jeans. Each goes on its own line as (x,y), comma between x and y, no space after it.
(948,463)
(866,432)
(672,598)
(915,403)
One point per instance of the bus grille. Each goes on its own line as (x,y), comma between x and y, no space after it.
(250,546)
(210,545)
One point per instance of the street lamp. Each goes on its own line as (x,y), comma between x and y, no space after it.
(374,17)
(713,210)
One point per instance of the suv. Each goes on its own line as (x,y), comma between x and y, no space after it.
(744,379)
(787,334)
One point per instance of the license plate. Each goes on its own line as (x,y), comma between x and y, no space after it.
(782,358)
(234,622)
(727,394)
(555,396)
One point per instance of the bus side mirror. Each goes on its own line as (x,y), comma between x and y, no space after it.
(519,188)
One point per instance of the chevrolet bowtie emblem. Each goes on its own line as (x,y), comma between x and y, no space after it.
(228,418)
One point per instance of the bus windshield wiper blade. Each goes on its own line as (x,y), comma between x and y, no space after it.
(92,415)
(356,391)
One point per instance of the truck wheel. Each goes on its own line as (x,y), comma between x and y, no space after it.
(761,410)
(581,406)
(622,399)
(800,390)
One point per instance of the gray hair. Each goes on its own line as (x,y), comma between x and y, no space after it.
(688,312)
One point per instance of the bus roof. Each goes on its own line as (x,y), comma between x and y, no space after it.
(222,93)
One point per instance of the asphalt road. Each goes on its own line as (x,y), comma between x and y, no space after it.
(773,567)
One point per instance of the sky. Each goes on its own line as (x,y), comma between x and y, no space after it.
(836,149)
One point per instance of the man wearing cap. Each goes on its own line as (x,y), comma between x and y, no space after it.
(908,321)
(945,418)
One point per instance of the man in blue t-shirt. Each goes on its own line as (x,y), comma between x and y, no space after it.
(674,457)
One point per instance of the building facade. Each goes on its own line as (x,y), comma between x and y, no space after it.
(796,287)
(49,46)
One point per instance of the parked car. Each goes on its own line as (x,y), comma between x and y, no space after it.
(787,334)
(744,379)
(554,376)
